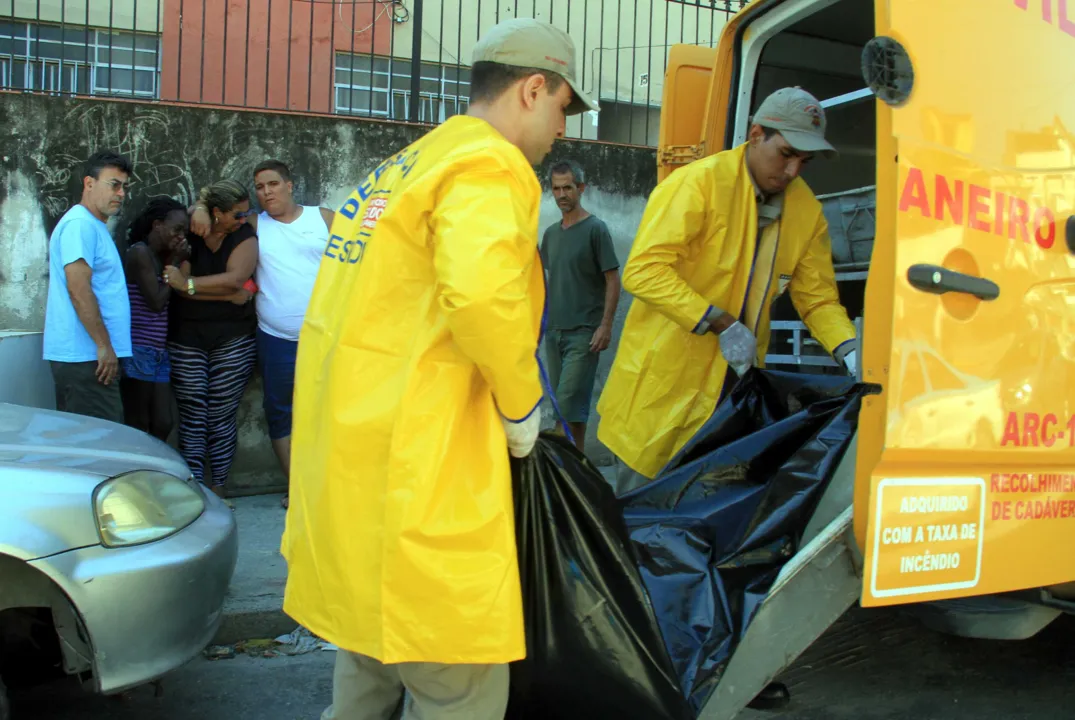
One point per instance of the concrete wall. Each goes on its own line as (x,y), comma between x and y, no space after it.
(24,378)
(177,149)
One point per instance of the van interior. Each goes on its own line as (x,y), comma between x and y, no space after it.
(817,45)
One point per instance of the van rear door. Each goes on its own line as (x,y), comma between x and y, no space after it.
(694,107)
(686,86)
(965,481)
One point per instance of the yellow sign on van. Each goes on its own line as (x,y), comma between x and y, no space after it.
(935,538)
(927,535)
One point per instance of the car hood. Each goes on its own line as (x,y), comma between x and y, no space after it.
(32,438)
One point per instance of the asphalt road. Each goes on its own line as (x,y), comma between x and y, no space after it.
(243,688)
(873,665)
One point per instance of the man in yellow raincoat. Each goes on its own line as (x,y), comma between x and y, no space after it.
(416,376)
(719,241)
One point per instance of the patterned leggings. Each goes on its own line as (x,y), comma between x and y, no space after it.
(208,387)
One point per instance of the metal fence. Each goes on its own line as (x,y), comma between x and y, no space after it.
(404,60)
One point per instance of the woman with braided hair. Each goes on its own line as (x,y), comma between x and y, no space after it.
(156,239)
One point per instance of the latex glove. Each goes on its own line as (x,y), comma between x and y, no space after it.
(523,435)
(738,346)
(851,363)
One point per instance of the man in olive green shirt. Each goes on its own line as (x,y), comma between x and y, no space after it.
(583,291)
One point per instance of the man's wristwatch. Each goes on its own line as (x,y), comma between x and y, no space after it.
(190,286)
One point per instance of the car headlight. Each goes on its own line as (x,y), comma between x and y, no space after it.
(144,506)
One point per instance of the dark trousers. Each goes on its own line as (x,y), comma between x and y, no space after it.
(79,392)
(208,386)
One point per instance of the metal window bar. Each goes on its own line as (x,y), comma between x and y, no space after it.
(201,59)
(332,53)
(87,42)
(310,60)
(224,63)
(373,37)
(63,28)
(134,26)
(268,42)
(290,14)
(805,351)
(617,84)
(392,33)
(111,8)
(246,55)
(440,46)
(631,79)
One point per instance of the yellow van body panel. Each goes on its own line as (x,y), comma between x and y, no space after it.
(966,467)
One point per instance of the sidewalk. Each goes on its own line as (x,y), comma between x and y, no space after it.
(254,605)
(253,608)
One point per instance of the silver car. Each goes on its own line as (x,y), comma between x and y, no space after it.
(114,562)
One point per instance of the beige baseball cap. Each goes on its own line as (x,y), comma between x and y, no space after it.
(799,117)
(524,42)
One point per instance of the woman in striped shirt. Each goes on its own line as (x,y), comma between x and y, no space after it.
(157,238)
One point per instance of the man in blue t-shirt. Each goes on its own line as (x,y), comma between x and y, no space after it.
(583,290)
(88,315)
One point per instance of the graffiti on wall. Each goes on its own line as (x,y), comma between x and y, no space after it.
(146,139)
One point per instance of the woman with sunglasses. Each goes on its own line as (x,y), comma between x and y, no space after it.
(211,331)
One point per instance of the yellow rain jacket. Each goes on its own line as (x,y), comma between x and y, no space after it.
(422,330)
(693,250)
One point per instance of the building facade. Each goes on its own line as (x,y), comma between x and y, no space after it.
(348,57)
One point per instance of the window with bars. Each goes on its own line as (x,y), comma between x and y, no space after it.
(378,86)
(81,60)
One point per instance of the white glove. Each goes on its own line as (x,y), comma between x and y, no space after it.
(851,363)
(523,435)
(738,346)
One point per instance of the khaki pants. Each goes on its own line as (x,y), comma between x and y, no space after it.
(365,689)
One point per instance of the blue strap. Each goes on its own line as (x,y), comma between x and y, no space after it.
(555,405)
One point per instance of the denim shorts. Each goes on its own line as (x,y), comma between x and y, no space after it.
(147,364)
(276,359)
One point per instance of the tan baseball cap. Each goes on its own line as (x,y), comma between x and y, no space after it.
(524,42)
(799,117)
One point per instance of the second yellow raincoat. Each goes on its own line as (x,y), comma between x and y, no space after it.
(422,330)
(693,250)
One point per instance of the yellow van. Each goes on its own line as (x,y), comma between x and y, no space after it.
(950,211)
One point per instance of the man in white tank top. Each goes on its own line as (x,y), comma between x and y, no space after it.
(291,240)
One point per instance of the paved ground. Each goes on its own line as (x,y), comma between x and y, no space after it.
(243,688)
(253,608)
(256,595)
(880,665)
(873,665)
